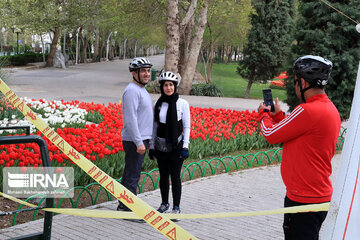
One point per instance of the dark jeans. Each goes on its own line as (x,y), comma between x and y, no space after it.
(302,226)
(170,164)
(133,164)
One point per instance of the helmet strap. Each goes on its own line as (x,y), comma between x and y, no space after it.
(302,91)
(138,81)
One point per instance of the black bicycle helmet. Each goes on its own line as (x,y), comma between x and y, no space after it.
(314,69)
(139,62)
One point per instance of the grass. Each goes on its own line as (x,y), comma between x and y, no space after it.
(232,85)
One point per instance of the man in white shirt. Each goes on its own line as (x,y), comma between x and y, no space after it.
(137,124)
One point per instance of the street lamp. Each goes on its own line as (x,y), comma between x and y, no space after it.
(17,31)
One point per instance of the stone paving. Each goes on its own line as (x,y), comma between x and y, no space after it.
(102,82)
(254,189)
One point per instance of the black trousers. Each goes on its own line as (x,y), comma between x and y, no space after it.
(170,164)
(302,226)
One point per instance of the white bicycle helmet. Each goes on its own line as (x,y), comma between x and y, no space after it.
(168,76)
(139,62)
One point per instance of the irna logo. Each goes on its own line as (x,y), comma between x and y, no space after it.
(54,182)
(34,180)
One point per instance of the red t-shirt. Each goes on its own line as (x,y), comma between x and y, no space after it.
(309,135)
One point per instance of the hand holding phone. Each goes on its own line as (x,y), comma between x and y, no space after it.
(268,99)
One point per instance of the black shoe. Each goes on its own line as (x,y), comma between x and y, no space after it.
(122,207)
(135,220)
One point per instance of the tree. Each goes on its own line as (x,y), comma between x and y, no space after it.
(96,19)
(38,17)
(269,41)
(184,38)
(322,31)
(228,24)
(191,53)
(139,27)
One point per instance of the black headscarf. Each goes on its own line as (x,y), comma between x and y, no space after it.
(171,116)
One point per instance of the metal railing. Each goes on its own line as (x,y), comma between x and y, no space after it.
(190,171)
(5,140)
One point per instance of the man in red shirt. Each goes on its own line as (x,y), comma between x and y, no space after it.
(309,135)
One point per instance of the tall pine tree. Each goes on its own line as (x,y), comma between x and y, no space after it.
(269,41)
(322,31)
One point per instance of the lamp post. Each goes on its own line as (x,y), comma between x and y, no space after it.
(17,31)
(17,42)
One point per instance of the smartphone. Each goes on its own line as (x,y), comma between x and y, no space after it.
(268,99)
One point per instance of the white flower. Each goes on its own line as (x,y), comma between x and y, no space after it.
(55,112)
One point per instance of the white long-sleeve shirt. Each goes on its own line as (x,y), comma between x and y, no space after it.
(183,114)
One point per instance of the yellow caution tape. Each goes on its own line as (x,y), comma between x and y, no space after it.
(157,220)
(130,215)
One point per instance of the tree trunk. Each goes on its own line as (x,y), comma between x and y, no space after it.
(205,62)
(108,47)
(211,59)
(226,49)
(80,43)
(124,56)
(190,66)
(222,52)
(96,45)
(119,49)
(235,54)
(185,40)
(229,54)
(50,60)
(135,48)
(101,52)
(43,47)
(247,92)
(172,37)
(84,49)
(112,52)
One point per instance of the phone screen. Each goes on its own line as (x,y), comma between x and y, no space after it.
(268,100)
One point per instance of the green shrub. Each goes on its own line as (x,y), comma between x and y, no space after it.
(153,87)
(23,59)
(206,90)
(3,63)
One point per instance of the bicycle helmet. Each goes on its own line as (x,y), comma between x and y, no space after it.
(314,69)
(139,62)
(168,76)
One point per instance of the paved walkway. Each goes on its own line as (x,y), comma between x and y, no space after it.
(247,190)
(102,82)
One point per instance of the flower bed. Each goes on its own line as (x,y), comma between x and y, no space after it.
(279,82)
(95,131)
